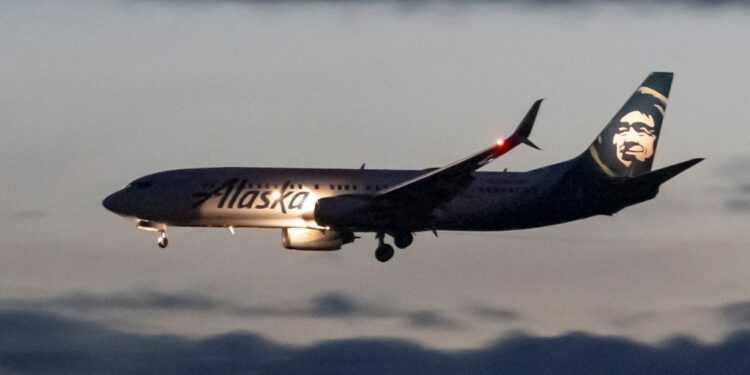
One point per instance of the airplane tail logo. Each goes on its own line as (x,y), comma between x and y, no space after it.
(626,146)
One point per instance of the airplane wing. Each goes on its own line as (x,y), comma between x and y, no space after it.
(437,186)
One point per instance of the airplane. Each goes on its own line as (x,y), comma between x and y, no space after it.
(323,209)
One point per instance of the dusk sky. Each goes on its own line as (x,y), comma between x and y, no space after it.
(94,94)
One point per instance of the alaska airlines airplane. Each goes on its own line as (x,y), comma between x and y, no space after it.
(323,209)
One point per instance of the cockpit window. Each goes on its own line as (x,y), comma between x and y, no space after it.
(139,185)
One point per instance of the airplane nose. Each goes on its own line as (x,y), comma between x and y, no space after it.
(114,203)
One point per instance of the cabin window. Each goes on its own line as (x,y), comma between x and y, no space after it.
(346,187)
(354,187)
(316,186)
(339,186)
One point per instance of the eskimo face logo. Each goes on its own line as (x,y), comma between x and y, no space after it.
(635,138)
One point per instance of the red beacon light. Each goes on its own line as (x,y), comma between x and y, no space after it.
(500,142)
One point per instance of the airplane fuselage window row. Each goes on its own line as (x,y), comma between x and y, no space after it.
(495,190)
(300,186)
(489,189)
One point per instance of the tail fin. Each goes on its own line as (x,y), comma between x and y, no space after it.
(626,146)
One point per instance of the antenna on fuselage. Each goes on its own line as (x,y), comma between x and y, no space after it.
(363,166)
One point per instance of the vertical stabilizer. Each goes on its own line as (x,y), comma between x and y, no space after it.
(627,145)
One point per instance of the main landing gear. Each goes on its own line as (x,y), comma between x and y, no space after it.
(384,251)
(403,240)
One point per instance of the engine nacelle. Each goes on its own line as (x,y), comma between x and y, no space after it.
(314,239)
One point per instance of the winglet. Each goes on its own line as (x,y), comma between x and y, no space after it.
(530,144)
(462,169)
(521,135)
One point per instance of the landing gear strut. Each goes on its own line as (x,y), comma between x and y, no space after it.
(161,228)
(384,252)
(162,241)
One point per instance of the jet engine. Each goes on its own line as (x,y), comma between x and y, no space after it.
(314,239)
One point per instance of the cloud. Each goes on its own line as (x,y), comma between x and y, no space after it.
(737,172)
(341,305)
(738,313)
(132,300)
(739,204)
(494,313)
(430,319)
(332,305)
(635,319)
(417,3)
(37,342)
(325,305)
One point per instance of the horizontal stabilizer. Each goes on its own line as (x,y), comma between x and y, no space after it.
(660,176)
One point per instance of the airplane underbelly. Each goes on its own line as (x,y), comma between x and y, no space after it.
(480,214)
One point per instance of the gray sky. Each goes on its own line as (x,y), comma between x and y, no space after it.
(94,94)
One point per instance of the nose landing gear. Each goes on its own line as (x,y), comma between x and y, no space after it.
(150,226)
(162,241)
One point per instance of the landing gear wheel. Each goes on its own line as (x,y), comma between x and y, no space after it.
(403,240)
(384,253)
(163,241)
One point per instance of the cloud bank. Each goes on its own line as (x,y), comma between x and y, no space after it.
(704,3)
(331,305)
(737,173)
(41,342)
